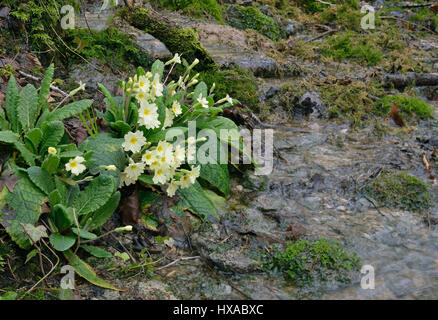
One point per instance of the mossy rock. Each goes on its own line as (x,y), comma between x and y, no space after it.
(177,40)
(196,8)
(409,107)
(305,261)
(107,43)
(400,190)
(251,18)
(239,83)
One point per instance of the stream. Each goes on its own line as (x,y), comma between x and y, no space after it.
(314,191)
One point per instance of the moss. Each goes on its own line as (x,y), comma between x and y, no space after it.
(6,71)
(408,106)
(305,261)
(399,190)
(177,40)
(106,43)
(41,22)
(313,6)
(251,18)
(349,46)
(344,16)
(238,83)
(196,8)
(352,101)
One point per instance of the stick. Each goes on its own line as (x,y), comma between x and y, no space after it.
(178,260)
(29,76)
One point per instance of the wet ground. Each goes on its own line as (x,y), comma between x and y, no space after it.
(313,192)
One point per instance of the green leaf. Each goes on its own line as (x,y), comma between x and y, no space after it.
(146,178)
(105,212)
(84,234)
(8,136)
(61,216)
(217,175)
(45,84)
(61,242)
(194,199)
(11,103)
(124,256)
(161,135)
(25,207)
(10,295)
(27,155)
(70,110)
(201,88)
(42,179)
(52,135)
(110,99)
(30,255)
(50,164)
(86,272)
(97,252)
(120,126)
(27,106)
(158,67)
(33,138)
(95,195)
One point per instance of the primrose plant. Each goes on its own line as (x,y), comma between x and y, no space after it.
(149,110)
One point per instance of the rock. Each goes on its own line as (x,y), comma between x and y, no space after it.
(258,63)
(311,103)
(227,259)
(4,12)
(272,91)
(153,46)
(292,27)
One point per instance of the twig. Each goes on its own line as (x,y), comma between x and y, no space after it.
(178,260)
(408,22)
(321,35)
(29,76)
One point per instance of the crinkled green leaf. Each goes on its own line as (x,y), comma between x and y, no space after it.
(27,106)
(61,216)
(33,138)
(45,84)
(194,199)
(11,103)
(105,212)
(42,179)
(217,175)
(52,135)
(24,206)
(95,195)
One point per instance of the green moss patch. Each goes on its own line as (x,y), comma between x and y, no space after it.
(409,107)
(352,101)
(240,84)
(348,46)
(400,190)
(251,18)
(305,261)
(196,8)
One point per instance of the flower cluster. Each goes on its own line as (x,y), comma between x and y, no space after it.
(159,106)
(163,160)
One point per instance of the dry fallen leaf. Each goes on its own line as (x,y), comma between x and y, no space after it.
(395,115)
